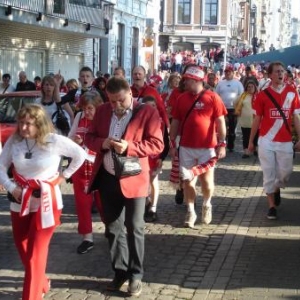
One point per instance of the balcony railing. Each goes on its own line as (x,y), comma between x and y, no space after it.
(82,11)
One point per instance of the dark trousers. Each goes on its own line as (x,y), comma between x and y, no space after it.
(231,122)
(122,215)
(246,136)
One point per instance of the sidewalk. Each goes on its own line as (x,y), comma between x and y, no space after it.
(241,255)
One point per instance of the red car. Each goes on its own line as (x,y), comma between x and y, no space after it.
(10,104)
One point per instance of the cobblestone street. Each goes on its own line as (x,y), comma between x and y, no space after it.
(240,255)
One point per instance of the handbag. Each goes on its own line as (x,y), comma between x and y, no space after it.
(126,165)
(61,121)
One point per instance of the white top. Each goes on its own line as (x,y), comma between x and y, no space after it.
(44,163)
(10,89)
(264,83)
(51,109)
(229,91)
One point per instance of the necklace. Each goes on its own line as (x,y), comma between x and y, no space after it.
(28,154)
(47,103)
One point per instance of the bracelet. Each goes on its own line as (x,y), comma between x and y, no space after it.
(221,144)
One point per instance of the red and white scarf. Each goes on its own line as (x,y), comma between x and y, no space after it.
(48,213)
(197,170)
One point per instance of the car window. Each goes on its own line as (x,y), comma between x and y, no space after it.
(9,107)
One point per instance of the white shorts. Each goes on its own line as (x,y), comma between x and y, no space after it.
(277,166)
(191,157)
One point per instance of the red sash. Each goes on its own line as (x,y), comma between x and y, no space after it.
(48,213)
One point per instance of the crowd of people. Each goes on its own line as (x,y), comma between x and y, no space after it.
(119,136)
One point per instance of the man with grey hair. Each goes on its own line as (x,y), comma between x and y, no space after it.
(24,84)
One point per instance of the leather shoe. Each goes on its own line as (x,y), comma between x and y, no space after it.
(134,287)
(116,283)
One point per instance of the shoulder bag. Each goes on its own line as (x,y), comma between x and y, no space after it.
(190,110)
(281,114)
(125,166)
(60,120)
(279,110)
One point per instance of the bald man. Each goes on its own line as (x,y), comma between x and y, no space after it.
(24,84)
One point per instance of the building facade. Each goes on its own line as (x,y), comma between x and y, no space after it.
(193,24)
(273,23)
(41,37)
(45,36)
(132,39)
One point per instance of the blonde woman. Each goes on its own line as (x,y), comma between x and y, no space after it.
(244,111)
(35,152)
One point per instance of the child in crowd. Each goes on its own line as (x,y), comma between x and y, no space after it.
(84,202)
(72,84)
(155,163)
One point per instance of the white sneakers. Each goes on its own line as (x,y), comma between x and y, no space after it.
(206,214)
(191,217)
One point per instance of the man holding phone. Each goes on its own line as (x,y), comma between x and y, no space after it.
(130,129)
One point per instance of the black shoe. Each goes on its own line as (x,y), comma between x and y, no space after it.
(179,197)
(277,198)
(150,217)
(245,156)
(272,213)
(135,287)
(255,153)
(116,283)
(85,247)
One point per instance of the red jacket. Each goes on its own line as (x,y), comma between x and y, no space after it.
(144,137)
(147,90)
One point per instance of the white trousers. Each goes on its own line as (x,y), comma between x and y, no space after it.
(277,166)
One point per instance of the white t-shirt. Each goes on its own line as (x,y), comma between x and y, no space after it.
(51,109)
(9,89)
(229,91)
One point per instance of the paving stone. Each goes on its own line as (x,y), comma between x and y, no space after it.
(240,256)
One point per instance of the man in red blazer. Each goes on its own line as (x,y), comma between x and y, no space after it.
(130,131)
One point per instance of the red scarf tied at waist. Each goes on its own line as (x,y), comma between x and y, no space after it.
(47,214)
(196,170)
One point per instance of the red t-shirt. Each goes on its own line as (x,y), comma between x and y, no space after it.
(172,102)
(199,130)
(271,122)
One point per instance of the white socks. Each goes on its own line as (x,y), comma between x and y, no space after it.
(207,202)
(88,237)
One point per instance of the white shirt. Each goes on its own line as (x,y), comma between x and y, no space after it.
(9,89)
(51,109)
(229,91)
(116,131)
(44,163)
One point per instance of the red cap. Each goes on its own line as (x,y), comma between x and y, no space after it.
(195,73)
(229,69)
